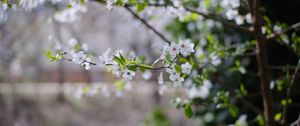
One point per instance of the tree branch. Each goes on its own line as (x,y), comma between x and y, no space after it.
(147,24)
(207,16)
(288,93)
(241,99)
(225,23)
(262,64)
(277,34)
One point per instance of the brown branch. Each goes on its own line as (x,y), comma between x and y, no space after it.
(282,67)
(207,16)
(225,23)
(277,34)
(288,93)
(262,64)
(147,24)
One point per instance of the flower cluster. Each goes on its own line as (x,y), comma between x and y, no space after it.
(70,14)
(231,12)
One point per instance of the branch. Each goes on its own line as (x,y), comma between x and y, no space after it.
(277,34)
(241,99)
(137,65)
(288,93)
(262,61)
(147,24)
(207,16)
(225,23)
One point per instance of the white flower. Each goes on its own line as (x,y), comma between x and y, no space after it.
(242,121)
(29,4)
(160,78)
(172,73)
(147,75)
(79,57)
(176,3)
(239,20)
(109,4)
(115,69)
(199,52)
(272,84)
(104,59)
(4,6)
(128,74)
(84,47)
(277,28)
(179,12)
(208,117)
(70,14)
(186,68)
(164,52)
(102,62)
(177,80)
(173,49)
(186,47)
(235,3)
(230,3)
(215,60)
(248,18)
(231,14)
(87,65)
(202,91)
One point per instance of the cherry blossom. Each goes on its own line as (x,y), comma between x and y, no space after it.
(173,49)
(186,68)
(186,47)
(128,74)
(79,57)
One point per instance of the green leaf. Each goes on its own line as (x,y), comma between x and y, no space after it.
(188,111)
(243,90)
(145,66)
(178,68)
(122,58)
(49,55)
(131,67)
(69,5)
(141,6)
(119,61)
(278,116)
(233,110)
(260,120)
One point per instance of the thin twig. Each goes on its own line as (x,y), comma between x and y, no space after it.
(225,23)
(288,93)
(277,34)
(147,24)
(207,16)
(241,99)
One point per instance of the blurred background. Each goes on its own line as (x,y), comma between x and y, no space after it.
(37,92)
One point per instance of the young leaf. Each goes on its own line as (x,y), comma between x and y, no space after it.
(131,67)
(188,111)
